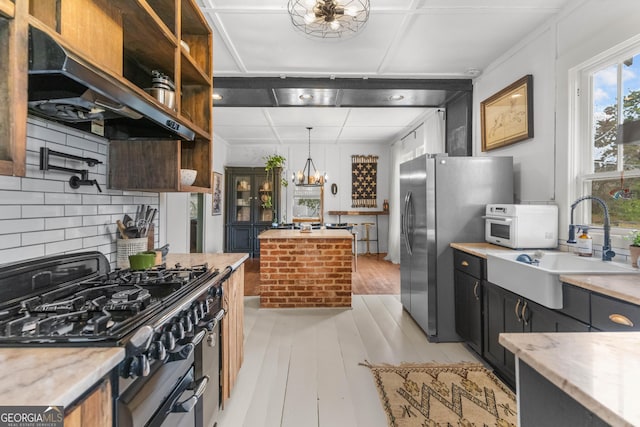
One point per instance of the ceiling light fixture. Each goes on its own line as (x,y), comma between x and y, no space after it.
(329,18)
(217,96)
(305,177)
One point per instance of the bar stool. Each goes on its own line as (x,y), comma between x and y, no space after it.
(354,233)
(367,228)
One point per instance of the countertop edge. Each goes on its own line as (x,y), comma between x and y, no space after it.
(53,376)
(559,379)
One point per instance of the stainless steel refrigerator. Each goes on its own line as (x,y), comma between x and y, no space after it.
(443,201)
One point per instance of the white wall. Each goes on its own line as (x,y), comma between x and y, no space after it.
(41,214)
(584,30)
(336,161)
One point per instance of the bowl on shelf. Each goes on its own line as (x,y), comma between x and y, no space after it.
(188,176)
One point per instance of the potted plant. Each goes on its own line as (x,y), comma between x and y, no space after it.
(634,246)
(272,162)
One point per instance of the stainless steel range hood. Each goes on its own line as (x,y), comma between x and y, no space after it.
(65,88)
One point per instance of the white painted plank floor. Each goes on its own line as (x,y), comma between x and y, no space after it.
(301,365)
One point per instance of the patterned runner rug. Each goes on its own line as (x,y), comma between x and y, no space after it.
(436,395)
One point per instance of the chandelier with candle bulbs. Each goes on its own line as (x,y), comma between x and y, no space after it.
(329,18)
(308,177)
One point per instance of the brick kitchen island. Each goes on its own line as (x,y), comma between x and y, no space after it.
(300,269)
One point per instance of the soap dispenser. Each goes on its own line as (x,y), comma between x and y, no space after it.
(585,243)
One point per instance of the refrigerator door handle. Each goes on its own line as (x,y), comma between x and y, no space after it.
(409,222)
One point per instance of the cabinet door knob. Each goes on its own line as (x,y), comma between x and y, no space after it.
(464,264)
(475,289)
(518,310)
(620,319)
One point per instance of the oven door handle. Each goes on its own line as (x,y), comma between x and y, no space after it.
(498,218)
(199,387)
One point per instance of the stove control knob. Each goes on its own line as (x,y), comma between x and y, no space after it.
(194,314)
(177,329)
(157,350)
(206,306)
(137,366)
(168,340)
(187,323)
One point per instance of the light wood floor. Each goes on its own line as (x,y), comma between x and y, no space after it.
(374,276)
(301,365)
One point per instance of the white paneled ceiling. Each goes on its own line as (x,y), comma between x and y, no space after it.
(440,39)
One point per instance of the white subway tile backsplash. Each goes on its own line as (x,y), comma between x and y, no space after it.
(21,253)
(97,220)
(8,226)
(10,212)
(46,134)
(94,199)
(122,200)
(30,184)
(63,246)
(96,241)
(42,215)
(82,143)
(42,237)
(10,241)
(109,209)
(42,211)
(64,222)
(80,232)
(62,198)
(9,182)
(73,210)
(20,198)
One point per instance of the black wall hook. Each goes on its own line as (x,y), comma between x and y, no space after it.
(74,182)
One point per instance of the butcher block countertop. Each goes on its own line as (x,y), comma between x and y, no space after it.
(60,375)
(313,234)
(625,287)
(599,370)
(219,261)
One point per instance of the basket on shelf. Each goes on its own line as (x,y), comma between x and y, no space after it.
(126,247)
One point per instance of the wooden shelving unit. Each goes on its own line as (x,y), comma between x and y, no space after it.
(128,39)
(13,87)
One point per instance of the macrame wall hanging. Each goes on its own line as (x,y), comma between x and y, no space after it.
(364,190)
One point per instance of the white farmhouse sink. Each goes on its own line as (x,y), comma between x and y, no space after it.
(541,283)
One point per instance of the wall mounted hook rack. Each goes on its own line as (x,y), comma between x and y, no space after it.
(74,182)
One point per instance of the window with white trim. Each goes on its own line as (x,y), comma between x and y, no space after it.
(609,151)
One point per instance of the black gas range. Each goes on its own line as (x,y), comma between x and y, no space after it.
(166,318)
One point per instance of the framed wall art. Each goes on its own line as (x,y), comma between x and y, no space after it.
(507,116)
(216,199)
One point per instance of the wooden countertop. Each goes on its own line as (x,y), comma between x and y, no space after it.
(297,234)
(32,375)
(219,261)
(478,249)
(53,376)
(599,370)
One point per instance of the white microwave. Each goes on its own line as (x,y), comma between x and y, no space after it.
(522,226)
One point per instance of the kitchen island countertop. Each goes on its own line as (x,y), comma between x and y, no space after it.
(60,375)
(601,371)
